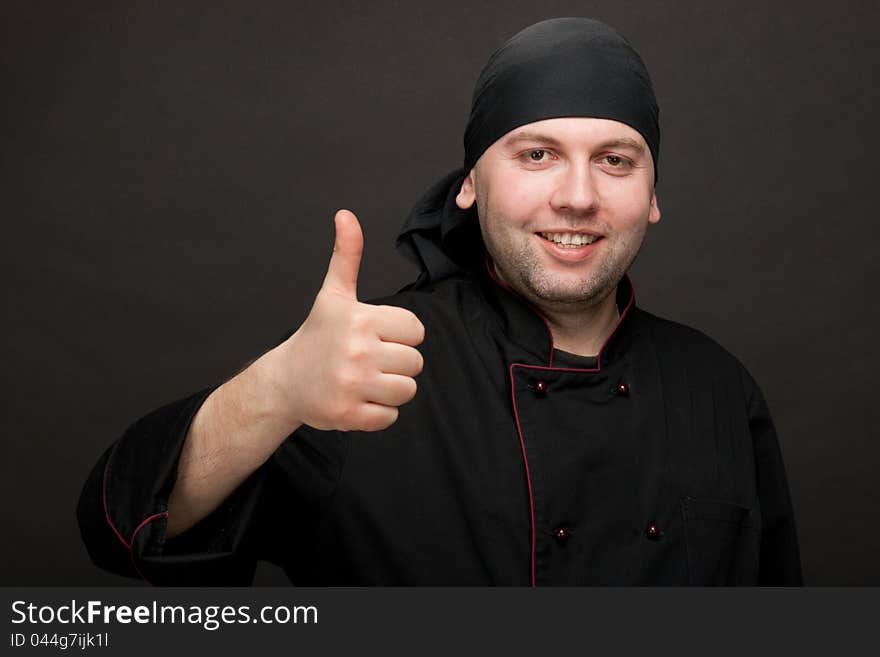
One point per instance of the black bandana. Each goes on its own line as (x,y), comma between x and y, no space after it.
(563,67)
(557,68)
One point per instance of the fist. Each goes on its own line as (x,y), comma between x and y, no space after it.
(350,365)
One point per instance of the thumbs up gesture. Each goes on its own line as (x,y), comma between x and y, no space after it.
(350,365)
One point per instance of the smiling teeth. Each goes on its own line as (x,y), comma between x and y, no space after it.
(570,240)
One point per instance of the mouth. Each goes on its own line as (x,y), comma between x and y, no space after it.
(569,246)
(570,240)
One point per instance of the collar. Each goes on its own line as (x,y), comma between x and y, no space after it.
(524,324)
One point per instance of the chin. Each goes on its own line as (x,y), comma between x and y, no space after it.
(572,290)
(563,294)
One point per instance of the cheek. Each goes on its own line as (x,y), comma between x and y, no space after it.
(630,206)
(518,198)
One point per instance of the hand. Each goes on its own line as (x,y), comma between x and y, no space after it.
(350,364)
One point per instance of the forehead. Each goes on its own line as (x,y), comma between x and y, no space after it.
(574,132)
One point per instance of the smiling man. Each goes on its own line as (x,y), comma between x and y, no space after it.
(511,417)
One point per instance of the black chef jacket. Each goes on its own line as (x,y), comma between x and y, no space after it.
(515,464)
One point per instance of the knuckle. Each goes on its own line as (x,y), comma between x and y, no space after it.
(346,382)
(357,352)
(360,320)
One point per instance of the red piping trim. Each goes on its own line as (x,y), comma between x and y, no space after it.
(556,369)
(522,444)
(145,521)
(629,303)
(504,285)
(106,512)
(128,544)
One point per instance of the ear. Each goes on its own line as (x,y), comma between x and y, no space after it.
(466,195)
(654,212)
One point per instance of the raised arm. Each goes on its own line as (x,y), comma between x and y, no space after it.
(348,367)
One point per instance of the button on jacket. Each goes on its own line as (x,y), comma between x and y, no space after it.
(515,464)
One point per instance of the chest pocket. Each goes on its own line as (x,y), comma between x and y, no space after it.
(720,540)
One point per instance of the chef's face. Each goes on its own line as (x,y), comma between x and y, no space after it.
(564,205)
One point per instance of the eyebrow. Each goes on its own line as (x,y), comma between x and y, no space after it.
(621,142)
(624,142)
(531,136)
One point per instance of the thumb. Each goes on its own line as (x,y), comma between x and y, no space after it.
(342,273)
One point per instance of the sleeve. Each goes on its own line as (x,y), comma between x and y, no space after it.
(122,510)
(780,562)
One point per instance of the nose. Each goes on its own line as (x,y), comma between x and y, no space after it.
(574,191)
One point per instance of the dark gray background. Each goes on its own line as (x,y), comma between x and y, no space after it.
(168,177)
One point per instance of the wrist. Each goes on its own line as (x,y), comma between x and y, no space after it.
(269,387)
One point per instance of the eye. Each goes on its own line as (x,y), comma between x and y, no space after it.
(616,164)
(537,158)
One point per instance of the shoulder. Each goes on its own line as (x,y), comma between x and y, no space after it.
(681,335)
(684,345)
(692,361)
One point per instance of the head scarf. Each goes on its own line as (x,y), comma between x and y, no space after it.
(563,67)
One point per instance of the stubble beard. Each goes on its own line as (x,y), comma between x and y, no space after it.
(520,266)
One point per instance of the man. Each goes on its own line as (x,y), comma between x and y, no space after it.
(557,434)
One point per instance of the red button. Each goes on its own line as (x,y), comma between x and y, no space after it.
(622,389)
(562,534)
(653,532)
(541,388)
